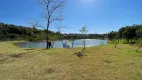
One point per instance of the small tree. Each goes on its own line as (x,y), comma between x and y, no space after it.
(84,31)
(114,36)
(116,41)
(139,43)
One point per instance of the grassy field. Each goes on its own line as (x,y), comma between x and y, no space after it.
(101,63)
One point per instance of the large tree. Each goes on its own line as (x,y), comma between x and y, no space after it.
(52,10)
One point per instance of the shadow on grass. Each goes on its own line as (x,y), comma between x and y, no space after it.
(47,49)
(120,48)
(28,49)
(32,50)
(13,56)
(107,61)
(47,71)
(44,49)
(16,55)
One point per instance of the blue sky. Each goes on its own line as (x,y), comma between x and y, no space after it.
(100,16)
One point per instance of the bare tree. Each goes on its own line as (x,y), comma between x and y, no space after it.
(52,10)
(33,23)
(59,30)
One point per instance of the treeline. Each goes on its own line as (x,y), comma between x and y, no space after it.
(85,36)
(10,32)
(129,33)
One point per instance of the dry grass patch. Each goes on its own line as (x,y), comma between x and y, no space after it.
(101,63)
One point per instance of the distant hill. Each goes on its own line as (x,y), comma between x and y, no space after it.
(9,32)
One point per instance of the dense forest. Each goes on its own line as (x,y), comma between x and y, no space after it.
(9,32)
(130,33)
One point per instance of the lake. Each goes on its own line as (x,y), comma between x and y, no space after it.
(58,44)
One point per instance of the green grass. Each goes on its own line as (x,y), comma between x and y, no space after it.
(101,63)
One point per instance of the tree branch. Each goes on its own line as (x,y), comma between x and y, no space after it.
(54,8)
(42,27)
(56,19)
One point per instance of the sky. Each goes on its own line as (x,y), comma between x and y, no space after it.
(100,16)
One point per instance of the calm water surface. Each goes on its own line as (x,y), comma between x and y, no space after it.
(58,44)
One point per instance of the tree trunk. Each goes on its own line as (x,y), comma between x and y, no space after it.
(47,38)
(72,43)
(115,45)
(84,44)
(128,41)
(61,39)
(62,43)
(139,47)
(117,41)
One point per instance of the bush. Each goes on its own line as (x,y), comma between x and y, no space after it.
(123,41)
(33,39)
